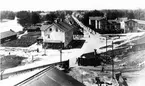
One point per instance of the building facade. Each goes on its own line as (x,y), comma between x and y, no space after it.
(134,25)
(57,33)
(98,22)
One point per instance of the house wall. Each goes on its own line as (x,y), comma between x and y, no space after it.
(53,33)
(93,23)
(10,38)
(68,37)
(141,26)
(131,26)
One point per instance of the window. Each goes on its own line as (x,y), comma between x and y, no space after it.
(50,29)
(56,30)
(48,36)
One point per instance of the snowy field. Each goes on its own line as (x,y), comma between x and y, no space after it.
(10,24)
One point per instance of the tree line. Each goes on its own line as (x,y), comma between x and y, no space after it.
(113,14)
(7,15)
(27,18)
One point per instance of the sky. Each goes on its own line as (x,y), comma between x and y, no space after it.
(52,5)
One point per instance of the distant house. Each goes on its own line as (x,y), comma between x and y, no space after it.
(7,36)
(122,21)
(58,34)
(98,22)
(114,24)
(134,25)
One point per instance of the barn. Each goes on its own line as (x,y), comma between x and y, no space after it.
(7,36)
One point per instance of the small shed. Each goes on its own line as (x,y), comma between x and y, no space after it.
(7,36)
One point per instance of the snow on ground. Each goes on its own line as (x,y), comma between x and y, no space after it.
(130,37)
(52,56)
(135,78)
(92,42)
(10,24)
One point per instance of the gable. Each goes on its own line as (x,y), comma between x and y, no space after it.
(62,26)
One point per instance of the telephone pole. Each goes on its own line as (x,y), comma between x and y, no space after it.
(106,47)
(112,61)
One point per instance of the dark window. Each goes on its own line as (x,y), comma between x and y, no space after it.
(48,36)
(56,30)
(50,29)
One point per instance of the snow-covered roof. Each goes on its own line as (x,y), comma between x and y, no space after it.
(7,34)
(96,18)
(50,76)
(138,21)
(63,26)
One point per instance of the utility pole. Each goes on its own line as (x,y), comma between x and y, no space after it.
(106,46)
(1,69)
(61,53)
(0,17)
(112,61)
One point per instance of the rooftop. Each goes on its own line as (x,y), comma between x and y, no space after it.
(33,27)
(50,76)
(63,26)
(96,18)
(7,34)
(138,21)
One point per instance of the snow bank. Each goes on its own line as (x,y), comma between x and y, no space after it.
(10,24)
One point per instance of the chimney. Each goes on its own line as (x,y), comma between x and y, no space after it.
(56,20)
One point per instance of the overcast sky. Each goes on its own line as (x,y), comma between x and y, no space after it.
(51,5)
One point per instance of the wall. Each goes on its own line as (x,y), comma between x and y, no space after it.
(8,39)
(53,33)
(131,26)
(68,37)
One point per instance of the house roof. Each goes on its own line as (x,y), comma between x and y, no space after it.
(50,77)
(7,34)
(63,26)
(44,27)
(96,18)
(66,26)
(122,19)
(113,21)
(138,21)
(33,27)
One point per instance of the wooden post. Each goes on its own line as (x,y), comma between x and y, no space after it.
(1,69)
(106,46)
(112,61)
(60,55)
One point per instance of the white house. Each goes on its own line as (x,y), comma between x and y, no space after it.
(57,33)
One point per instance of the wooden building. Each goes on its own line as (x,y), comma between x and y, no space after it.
(114,24)
(7,36)
(98,22)
(134,25)
(58,34)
